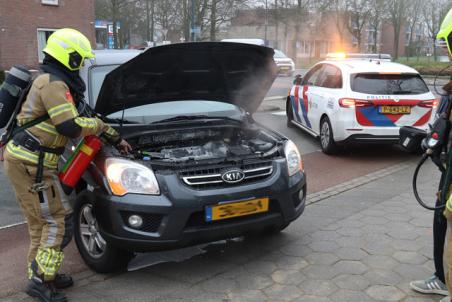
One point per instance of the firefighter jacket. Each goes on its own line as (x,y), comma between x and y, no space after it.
(50,95)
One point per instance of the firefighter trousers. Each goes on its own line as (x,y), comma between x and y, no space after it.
(48,214)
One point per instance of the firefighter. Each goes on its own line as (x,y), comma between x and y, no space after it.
(445,34)
(32,155)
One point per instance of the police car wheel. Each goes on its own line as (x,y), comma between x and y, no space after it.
(326,137)
(289,114)
(97,253)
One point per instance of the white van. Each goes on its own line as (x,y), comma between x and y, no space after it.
(260,42)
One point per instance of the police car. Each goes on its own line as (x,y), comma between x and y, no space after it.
(361,98)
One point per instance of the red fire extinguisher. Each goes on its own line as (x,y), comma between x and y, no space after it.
(79,161)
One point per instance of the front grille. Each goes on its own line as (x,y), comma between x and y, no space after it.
(210,177)
(151,222)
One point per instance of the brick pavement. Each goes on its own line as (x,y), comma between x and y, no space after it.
(364,244)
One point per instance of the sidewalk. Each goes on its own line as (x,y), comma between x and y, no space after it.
(364,244)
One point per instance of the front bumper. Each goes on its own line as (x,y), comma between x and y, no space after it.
(285,68)
(176,217)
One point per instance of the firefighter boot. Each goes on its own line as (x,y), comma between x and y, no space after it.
(63,281)
(44,291)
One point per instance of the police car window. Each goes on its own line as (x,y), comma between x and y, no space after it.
(331,77)
(319,80)
(374,83)
(311,76)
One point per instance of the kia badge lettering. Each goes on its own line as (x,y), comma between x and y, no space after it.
(233,176)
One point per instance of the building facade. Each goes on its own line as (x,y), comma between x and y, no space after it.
(316,34)
(25,26)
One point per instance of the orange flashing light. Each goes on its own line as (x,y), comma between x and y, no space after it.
(390,72)
(337,55)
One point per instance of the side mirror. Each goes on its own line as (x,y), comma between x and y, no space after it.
(298,79)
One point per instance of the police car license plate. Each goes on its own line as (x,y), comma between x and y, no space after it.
(395,109)
(236,209)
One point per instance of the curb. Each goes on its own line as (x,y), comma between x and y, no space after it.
(356,182)
(275,98)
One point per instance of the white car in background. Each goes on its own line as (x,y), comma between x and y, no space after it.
(359,100)
(286,65)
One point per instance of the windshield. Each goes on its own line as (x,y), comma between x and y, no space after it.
(97,76)
(159,111)
(279,54)
(374,83)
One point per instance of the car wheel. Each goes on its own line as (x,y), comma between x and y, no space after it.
(326,137)
(289,114)
(98,254)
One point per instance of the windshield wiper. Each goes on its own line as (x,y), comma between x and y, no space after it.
(194,117)
(118,120)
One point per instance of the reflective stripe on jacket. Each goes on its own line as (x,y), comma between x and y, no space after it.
(50,95)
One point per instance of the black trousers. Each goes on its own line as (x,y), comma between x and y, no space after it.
(439,238)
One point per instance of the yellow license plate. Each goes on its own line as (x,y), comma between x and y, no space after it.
(236,209)
(395,109)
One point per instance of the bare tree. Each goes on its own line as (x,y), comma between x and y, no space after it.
(358,12)
(301,11)
(213,20)
(398,10)
(339,8)
(166,16)
(415,8)
(434,13)
(150,10)
(377,13)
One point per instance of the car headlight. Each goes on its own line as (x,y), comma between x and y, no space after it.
(293,158)
(125,176)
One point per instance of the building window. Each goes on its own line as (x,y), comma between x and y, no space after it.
(49,2)
(43,35)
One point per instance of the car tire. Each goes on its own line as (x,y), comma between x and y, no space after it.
(289,114)
(327,142)
(98,254)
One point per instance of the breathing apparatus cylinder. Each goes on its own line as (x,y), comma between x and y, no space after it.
(16,81)
(77,164)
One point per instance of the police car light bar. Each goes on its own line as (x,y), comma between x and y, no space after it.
(359,56)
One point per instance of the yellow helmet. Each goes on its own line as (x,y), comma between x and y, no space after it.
(445,31)
(69,47)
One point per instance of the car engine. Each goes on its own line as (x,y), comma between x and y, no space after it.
(203,144)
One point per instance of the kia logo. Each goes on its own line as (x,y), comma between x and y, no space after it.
(233,176)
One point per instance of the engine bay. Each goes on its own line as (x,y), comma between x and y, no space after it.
(196,144)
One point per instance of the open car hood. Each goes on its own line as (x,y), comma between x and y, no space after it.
(240,74)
